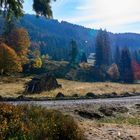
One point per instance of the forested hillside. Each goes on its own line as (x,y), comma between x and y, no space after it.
(53,37)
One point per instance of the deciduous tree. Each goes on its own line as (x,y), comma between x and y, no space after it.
(114,73)
(9,61)
(20,42)
(136,70)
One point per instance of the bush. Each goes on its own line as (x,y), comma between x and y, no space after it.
(36,123)
(113,73)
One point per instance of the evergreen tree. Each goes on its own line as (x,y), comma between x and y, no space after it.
(99,49)
(107,56)
(126,70)
(8,27)
(117,56)
(103,50)
(15,8)
(74,52)
(83,58)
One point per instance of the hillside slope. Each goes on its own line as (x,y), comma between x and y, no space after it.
(53,37)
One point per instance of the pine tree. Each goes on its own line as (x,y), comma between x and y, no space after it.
(74,52)
(99,49)
(107,56)
(117,56)
(126,70)
(9,61)
(103,50)
(14,8)
(83,58)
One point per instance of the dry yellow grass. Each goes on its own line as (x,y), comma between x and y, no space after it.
(69,88)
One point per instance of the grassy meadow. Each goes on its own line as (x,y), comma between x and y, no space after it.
(14,87)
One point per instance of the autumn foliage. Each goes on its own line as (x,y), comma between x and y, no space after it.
(113,72)
(9,61)
(36,123)
(136,70)
(20,42)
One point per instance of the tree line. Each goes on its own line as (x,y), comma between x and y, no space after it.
(123,66)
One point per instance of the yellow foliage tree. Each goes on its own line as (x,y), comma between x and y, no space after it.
(37,63)
(9,61)
(19,40)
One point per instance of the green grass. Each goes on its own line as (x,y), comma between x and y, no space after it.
(135,120)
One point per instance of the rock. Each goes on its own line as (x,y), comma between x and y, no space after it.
(22,98)
(137,106)
(121,109)
(90,94)
(1,98)
(114,94)
(60,95)
(107,111)
(75,95)
(127,94)
(45,82)
(89,115)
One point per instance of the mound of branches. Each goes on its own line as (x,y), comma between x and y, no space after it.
(45,82)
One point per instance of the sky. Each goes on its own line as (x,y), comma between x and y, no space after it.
(113,15)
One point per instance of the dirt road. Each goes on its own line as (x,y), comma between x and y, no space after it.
(93,128)
(74,103)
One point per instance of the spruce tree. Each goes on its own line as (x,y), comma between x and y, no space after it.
(99,49)
(117,56)
(14,8)
(103,49)
(126,69)
(83,58)
(74,52)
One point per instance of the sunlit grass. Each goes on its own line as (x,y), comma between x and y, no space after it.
(121,119)
(69,88)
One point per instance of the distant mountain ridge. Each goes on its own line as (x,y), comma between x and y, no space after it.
(53,37)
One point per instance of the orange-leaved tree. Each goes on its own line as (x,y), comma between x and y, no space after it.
(19,40)
(136,70)
(9,61)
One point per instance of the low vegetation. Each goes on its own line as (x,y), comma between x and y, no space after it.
(121,119)
(36,123)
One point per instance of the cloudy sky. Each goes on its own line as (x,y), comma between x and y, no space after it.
(114,15)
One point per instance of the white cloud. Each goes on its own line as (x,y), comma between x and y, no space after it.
(107,13)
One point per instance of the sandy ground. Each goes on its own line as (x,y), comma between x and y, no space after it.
(16,87)
(95,131)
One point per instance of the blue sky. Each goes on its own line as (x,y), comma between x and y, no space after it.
(114,15)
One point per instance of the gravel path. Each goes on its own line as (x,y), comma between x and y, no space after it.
(68,103)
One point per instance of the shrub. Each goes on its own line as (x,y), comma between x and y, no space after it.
(36,123)
(113,73)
